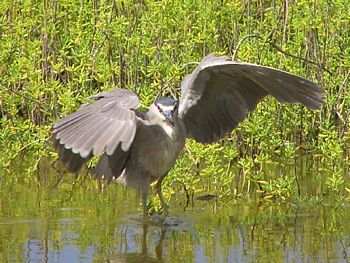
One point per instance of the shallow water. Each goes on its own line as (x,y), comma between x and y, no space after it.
(210,233)
(44,223)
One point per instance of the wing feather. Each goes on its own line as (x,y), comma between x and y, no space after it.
(97,127)
(220,93)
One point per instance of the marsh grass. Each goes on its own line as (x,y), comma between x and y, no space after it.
(53,54)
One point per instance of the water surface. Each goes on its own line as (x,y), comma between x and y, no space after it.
(44,223)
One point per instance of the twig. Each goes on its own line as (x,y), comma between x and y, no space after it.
(21,150)
(30,99)
(190,63)
(186,191)
(235,54)
(297,57)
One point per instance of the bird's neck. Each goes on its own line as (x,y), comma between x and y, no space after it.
(168,129)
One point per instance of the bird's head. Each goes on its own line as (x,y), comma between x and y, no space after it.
(165,109)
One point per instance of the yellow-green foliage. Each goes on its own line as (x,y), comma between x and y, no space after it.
(53,54)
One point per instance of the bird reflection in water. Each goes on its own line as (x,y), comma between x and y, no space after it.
(147,254)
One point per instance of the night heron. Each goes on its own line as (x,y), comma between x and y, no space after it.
(139,148)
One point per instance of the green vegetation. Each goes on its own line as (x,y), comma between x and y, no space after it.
(53,54)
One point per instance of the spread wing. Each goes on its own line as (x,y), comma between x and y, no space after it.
(219,94)
(95,128)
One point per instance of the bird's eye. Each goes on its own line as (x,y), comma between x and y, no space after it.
(159,108)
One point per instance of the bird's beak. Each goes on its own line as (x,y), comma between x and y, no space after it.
(169,117)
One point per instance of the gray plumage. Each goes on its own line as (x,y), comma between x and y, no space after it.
(138,148)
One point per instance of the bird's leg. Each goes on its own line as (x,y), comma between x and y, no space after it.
(144,201)
(144,239)
(144,189)
(161,198)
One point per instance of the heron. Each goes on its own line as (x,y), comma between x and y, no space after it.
(138,148)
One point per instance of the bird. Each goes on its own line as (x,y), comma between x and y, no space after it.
(137,148)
